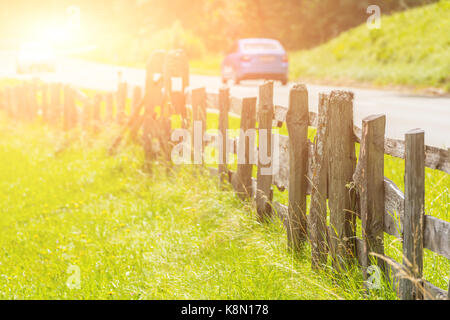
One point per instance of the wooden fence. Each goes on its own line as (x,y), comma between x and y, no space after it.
(341,188)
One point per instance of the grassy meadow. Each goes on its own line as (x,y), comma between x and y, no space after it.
(69,210)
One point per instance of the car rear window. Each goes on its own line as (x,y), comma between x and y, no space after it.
(261,46)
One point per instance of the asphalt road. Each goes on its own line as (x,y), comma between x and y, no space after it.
(403,111)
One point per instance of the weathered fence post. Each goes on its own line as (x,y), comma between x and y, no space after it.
(297,119)
(55,104)
(342,162)
(176,80)
(135,109)
(33,105)
(8,101)
(136,99)
(66,109)
(109,112)
(87,116)
(224,106)
(199,124)
(369,181)
(264,173)
(121,102)
(413,220)
(45,102)
(2,99)
(70,116)
(26,103)
(319,189)
(147,143)
(18,102)
(242,180)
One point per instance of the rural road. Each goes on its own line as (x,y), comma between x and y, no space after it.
(403,111)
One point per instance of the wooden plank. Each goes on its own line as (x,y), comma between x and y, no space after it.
(318,207)
(264,173)
(369,181)
(413,222)
(224,105)
(342,163)
(242,181)
(297,125)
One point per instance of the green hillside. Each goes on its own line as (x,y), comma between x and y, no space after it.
(410,48)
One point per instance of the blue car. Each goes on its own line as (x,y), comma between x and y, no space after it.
(255,59)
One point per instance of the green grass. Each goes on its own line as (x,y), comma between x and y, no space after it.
(411,48)
(136,236)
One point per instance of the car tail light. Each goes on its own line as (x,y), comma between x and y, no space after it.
(245,58)
(285,58)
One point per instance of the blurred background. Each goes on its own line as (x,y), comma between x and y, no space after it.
(125,32)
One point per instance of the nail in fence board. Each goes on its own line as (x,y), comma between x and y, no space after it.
(242,180)
(264,175)
(413,221)
(297,125)
(369,181)
(342,163)
(318,210)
